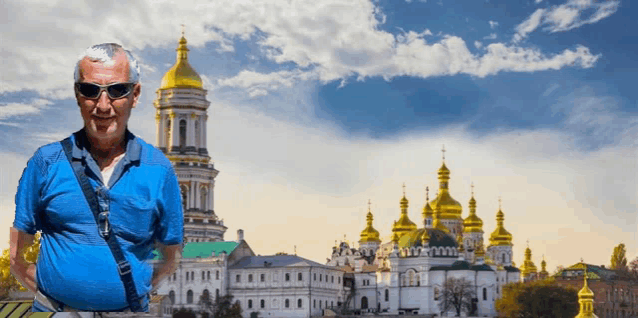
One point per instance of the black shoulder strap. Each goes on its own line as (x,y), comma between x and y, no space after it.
(123,266)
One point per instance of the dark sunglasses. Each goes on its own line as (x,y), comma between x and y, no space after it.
(115,90)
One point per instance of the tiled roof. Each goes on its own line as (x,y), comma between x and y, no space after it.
(203,249)
(460,266)
(512,269)
(593,271)
(276,261)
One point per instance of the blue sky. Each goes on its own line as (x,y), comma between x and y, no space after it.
(317,106)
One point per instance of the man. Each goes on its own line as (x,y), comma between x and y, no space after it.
(134,183)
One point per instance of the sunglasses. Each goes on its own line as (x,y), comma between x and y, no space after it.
(115,90)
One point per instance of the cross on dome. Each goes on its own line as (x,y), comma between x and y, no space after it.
(443,152)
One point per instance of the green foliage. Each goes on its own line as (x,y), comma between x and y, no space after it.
(538,299)
(619,258)
(184,313)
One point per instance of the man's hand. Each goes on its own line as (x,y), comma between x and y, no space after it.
(170,257)
(24,272)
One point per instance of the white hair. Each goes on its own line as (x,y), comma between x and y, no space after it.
(104,53)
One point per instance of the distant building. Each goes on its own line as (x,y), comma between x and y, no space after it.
(405,274)
(614,295)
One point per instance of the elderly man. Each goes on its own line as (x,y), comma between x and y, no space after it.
(102,198)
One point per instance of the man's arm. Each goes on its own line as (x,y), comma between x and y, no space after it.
(168,264)
(24,272)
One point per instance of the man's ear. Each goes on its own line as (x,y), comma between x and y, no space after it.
(137,91)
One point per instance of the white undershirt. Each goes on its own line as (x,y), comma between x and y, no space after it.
(108,171)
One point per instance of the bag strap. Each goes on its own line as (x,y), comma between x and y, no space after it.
(123,266)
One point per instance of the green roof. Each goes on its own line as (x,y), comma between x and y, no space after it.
(203,249)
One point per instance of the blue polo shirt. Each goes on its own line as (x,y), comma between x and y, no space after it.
(75,266)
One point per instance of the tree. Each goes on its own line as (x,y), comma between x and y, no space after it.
(633,268)
(7,281)
(221,307)
(184,313)
(619,258)
(542,298)
(457,294)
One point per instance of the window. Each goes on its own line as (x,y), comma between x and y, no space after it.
(503,258)
(332,279)
(193,276)
(387,295)
(250,303)
(217,275)
(287,302)
(197,142)
(216,293)
(203,276)
(238,278)
(299,277)
(299,303)
(364,302)
(262,303)
(184,191)
(250,278)
(202,197)
(436,293)
(189,297)
(262,277)
(320,277)
(339,279)
(287,277)
(314,303)
(174,276)
(208,275)
(187,276)
(171,296)
(484,293)
(182,134)
(411,278)
(315,276)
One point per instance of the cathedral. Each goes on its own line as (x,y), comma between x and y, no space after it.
(406,274)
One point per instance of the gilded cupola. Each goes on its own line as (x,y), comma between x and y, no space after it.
(450,208)
(369,234)
(543,271)
(500,236)
(473,224)
(428,213)
(437,223)
(586,300)
(403,225)
(528,265)
(181,74)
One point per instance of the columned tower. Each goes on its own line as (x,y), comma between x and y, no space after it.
(181,116)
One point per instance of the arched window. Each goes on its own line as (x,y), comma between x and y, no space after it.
(206,294)
(202,197)
(171,296)
(387,295)
(299,303)
(484,293)
(262,277)
(203,276)
(167,134)
(217,275)
(262,303)
(299,277)
(208,275)
(216,293)
(364,302)
(182,134)
(189,297)
(287,302)
(184,192)
(503,258)
(174,276)
(250,303)
(187,276)
(287,276)
(411,277)
(197,141)
(250,278)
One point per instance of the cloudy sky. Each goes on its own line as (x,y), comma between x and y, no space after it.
(318,106)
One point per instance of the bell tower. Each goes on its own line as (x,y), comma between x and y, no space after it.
(181,116)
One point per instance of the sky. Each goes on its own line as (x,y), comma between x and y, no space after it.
(319,106)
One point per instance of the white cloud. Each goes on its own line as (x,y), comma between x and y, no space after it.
(492,36)
(478,44)
(259,84)
(20,109)
(538,1)
(331,40)
(567,16)
(493,24)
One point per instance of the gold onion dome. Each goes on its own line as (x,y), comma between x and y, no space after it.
(528,265)
(403,225)
(450,208)
(473,223)
(369,234)
(437,224)
(500,236)
(427,209)
(181,74)
(544,267)
(586,300)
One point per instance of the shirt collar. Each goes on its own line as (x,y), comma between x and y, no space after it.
(81,143)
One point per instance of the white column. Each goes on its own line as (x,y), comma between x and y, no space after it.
(190,130)
(174,131)
(204,124)
(158,131)
(210,194)
(196,205)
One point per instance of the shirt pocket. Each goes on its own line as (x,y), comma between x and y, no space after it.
(134,218)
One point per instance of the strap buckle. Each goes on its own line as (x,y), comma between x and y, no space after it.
(123,267)
(104,226)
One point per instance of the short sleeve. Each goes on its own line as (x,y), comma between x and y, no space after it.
(171,223)
(28,197)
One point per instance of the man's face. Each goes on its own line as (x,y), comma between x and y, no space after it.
(104,118)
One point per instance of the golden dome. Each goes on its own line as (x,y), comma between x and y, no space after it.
(433,237)
(369,234)
(437,224)
(427,209)
(450,208)
(528,266)
(395,238)
(500,236)
(585,292)
(544,267)
(473,223)
(586,300)
(181,74)
(403,225)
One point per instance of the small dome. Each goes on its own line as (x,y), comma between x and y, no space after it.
(181,74)
(369,234)
(437,238)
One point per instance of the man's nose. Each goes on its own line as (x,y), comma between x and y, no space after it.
(103,102)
